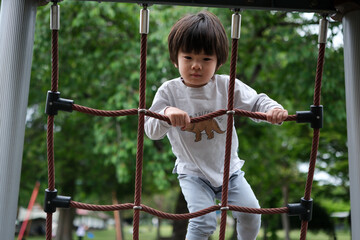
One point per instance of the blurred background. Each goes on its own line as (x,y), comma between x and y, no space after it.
(99,49)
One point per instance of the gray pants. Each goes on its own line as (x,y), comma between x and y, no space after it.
(200,194)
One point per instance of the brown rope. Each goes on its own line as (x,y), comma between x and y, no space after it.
(158,116)
(229,130)
(93,207)
(140,139)
(50,125)
(55,60)
(316,135)
(50,153)
(49,226)
(303,231)
(179,216)
(260,115)
(104,113)
(211,209)
(134,111)
(313,155)
(259,210)
(319,74)
(208,116)
(182,216)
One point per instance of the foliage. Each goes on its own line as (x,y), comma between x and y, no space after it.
(99,68)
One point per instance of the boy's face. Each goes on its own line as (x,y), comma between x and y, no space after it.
(196,69)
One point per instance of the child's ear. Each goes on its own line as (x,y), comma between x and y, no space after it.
(175,65)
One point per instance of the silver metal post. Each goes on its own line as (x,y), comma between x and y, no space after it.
(236,25)
(351,31)
(17,28)
(144,20)
(55,17)
(323,26)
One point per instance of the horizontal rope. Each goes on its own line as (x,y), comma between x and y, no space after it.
(259,210)
(259,115)
(181,216)
(105,208)
(209,116)
(135,111)
(104,113)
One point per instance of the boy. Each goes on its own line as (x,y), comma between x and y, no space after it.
(198,46)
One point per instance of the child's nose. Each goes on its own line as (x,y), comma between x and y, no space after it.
(196,65)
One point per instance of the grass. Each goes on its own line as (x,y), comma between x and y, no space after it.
(149,233)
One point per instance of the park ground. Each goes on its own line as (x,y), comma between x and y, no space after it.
(150,233)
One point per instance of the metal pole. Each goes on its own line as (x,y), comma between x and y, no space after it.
(17,27)
(351,24)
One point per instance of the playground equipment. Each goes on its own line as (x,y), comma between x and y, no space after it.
(17,52)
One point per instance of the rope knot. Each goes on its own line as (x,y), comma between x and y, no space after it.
(141,110)
(224,208)
(230,112)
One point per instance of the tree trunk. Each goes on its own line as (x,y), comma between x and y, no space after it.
(158,229)
(284,217)
(117,219)
(65,224)
(265,224)
(180,226)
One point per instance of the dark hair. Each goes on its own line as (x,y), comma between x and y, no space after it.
(199,32)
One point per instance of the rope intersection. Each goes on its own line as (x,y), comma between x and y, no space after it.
(58,201)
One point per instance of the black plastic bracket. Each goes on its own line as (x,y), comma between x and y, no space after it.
(54,103)
(145,5)
(52,201)
(303,209)
(314,116)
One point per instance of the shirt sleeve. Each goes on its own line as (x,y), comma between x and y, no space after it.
(248,99)
(157,129)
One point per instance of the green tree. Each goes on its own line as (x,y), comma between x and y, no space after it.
(99,68)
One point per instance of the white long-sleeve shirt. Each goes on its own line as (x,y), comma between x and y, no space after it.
(201,151)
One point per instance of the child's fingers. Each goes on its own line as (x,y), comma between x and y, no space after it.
(276,116)
(178,118)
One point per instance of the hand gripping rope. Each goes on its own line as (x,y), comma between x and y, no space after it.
(54,103)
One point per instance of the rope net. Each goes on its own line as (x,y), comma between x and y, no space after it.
(142,112)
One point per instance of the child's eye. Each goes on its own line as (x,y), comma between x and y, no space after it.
(187,57)
(207,59)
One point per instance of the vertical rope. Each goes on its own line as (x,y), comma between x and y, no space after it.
(140,139)
(316,134)
(54,60)
(54,88)
(304,227)
(225,187)
(50,125)
(319,74)
(49,226)
(50,153)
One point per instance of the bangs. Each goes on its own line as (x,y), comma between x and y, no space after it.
(198,38)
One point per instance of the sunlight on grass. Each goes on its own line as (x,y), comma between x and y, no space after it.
(148,232)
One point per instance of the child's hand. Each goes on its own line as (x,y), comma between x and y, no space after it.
(276,115)
(178,117)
